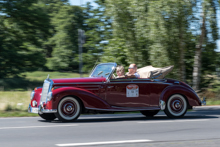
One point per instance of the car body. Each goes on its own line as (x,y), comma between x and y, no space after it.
(67,98)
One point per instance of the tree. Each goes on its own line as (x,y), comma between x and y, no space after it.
(208,27)
(98,32)
(21,31)
(129,27)
(64,41)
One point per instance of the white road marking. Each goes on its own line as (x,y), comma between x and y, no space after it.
(165,121)
(103,143)
(27,127)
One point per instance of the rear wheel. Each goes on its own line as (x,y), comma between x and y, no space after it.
(150,113)
(69,109)
(47,116)
(176,106)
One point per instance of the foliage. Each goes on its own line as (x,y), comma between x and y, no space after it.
(30,80)
(43,35)
(21,28)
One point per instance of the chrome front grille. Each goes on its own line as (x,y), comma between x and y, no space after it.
(46,88)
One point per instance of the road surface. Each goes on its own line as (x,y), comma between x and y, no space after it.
(199,127)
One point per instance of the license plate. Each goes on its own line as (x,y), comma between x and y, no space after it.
(34,110)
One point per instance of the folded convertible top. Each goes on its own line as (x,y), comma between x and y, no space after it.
(154,72)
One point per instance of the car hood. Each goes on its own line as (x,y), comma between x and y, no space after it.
(78,80)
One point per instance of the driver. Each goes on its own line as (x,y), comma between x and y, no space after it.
(132,71)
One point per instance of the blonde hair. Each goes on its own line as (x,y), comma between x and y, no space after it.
(121,69)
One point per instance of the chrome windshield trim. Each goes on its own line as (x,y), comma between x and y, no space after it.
(114,67)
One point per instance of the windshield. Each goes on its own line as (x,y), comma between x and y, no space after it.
(103,70)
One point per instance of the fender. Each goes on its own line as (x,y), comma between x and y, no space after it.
(188,93)
(89,100)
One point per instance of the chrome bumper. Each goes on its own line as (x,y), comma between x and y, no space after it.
(162,105)
(203,102)
(40,110)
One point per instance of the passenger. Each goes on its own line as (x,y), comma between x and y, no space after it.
(132,71)
(120,71)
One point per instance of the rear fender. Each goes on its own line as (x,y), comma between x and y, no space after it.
(89,99)
(188,93)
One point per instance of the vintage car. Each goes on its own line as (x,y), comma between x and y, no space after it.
(67,98)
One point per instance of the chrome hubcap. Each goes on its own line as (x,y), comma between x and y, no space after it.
(176,105)
(68,108)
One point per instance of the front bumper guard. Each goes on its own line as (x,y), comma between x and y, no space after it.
(203,102)
(41,110)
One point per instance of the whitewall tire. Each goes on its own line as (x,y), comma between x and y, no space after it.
(69,109)
(176,106)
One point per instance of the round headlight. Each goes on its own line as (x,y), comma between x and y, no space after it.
(34,103)
(32,94)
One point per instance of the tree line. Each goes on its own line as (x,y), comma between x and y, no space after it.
(43,35)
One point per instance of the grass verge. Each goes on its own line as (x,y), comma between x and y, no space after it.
(16,113)
(214,102)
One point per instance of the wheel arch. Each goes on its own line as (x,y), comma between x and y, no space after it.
(190,95)
(87,98)
(73,96)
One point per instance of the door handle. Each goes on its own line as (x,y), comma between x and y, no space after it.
(110,86)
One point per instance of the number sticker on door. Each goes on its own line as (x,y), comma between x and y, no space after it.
(132,90)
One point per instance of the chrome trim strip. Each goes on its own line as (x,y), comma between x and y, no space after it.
(91,83)
(49,111)
(124,109)
(89,86)
(141,79)
(133,82)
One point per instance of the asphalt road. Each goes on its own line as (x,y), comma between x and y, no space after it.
(200,127)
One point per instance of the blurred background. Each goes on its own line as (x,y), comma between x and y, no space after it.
(40,37)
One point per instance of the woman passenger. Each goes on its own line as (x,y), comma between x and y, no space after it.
(120,71)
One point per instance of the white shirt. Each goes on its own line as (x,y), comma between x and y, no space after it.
(137,75)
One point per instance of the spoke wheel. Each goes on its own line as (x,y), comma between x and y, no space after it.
(176,106)
(69,109)
(47,116)
(149,113)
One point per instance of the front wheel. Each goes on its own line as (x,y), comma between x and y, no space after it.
(47,116)
(176,106)
(149,113)
(69,109)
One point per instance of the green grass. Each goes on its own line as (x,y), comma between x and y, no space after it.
(16,114)
(41,76)
(32,80)
(213,102)
(14,100)
(15,92)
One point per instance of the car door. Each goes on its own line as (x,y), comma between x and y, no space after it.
(128,92)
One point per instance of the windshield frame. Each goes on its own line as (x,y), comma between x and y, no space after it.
(114,65)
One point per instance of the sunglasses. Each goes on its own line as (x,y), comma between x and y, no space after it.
(130,67)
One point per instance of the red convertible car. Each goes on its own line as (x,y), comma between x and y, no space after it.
(66,99)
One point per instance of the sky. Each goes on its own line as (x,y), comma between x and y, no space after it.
(79,2)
